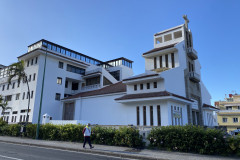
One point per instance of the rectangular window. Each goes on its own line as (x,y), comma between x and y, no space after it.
(141,86)
(32,94)
(74,69)
(229,107)
(66,84)
(160,61)
(189,66)
(8,86)
(58,96)
(31,62)
(18,85)
(15,119)
(155,84)
(159,115)
(74,86)
(23,95)
(34,76)
(135,87)
(20,120)
(12,119)
(13,85)
(155,63)
(60,65)
(17,96)
(3,87)
(28,95)
(151,115)
(138,117)
(166,60)
(8,98)
(30,77)
(173,61)
(36,60)
(192,68)
(59,80)
(148,85)
(224,120)
(235,120)
(14,112)
(144,116)
(28,63)
(238,107)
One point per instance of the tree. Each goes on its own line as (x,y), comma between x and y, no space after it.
(3,105)
(18,70)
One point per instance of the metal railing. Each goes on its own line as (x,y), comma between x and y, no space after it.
(91,87)
(94,71)
(195,76)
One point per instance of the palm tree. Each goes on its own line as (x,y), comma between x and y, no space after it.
(3,105)
(18,70)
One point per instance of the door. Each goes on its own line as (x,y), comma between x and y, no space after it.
(68,111)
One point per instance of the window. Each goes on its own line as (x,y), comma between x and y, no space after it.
(58,96)
(144,116)
(32,94)
(14,112)
(192,68)
(18,85)
(12,118)
(224,120)
(74,86)
(155,84)
(17,96)
(138,118)
(92,81)
(235,120)
(8,98)
(177,34)
(173,61)
(30,77)
(141,86)
(28,94)
(59,80)
(34,76)
(135,87)
(238,107)
(66,84)
(159,115)
(31,62)
(160,61)
(3,87)
(189,66)
(23,95)
(60,65)
(28,64)
(8,86)
(151,115)
(13,85)
(155,63)
(166,60)
(115,74)
(20,120)
(74,69)
(229,108)
(36,60)
(148,85)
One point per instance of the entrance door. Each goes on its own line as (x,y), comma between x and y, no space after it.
(68,111)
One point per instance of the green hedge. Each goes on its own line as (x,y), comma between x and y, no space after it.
(194,139)
(100,135)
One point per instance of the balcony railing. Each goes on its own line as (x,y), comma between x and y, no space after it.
(192,53)
(91,87)
(94,71)
(193,76)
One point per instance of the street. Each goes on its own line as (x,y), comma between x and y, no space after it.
(10,151)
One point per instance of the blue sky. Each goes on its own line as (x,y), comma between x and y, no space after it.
(108,29)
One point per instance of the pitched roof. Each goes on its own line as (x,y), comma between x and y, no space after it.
(159,49)
(143,75)
(150,95)
(209,106)
(114,88)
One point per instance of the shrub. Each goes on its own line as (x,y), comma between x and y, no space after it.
(234,145)
(188,139)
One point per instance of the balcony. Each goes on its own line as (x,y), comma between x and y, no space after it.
(193,76)
(93,73)
(91,87)
(192,53)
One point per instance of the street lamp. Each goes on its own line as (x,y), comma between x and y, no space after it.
(40,108)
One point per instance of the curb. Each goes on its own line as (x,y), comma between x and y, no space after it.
(121,155)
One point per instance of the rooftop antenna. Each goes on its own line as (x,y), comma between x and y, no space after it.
(186,20)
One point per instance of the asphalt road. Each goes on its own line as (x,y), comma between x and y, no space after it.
(10,151)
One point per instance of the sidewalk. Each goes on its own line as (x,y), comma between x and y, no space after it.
(113,150)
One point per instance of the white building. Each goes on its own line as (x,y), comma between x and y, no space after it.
(79,87)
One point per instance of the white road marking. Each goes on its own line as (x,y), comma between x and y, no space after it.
(10,157)
(67,151)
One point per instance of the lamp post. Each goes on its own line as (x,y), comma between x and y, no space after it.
(40,107)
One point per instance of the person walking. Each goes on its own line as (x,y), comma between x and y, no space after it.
(87,134)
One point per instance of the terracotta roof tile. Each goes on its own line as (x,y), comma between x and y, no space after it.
(207,105)
(114,88)
(150,95)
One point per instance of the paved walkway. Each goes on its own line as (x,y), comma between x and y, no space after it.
(113,150)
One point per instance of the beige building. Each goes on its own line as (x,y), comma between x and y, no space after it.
(229,113)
